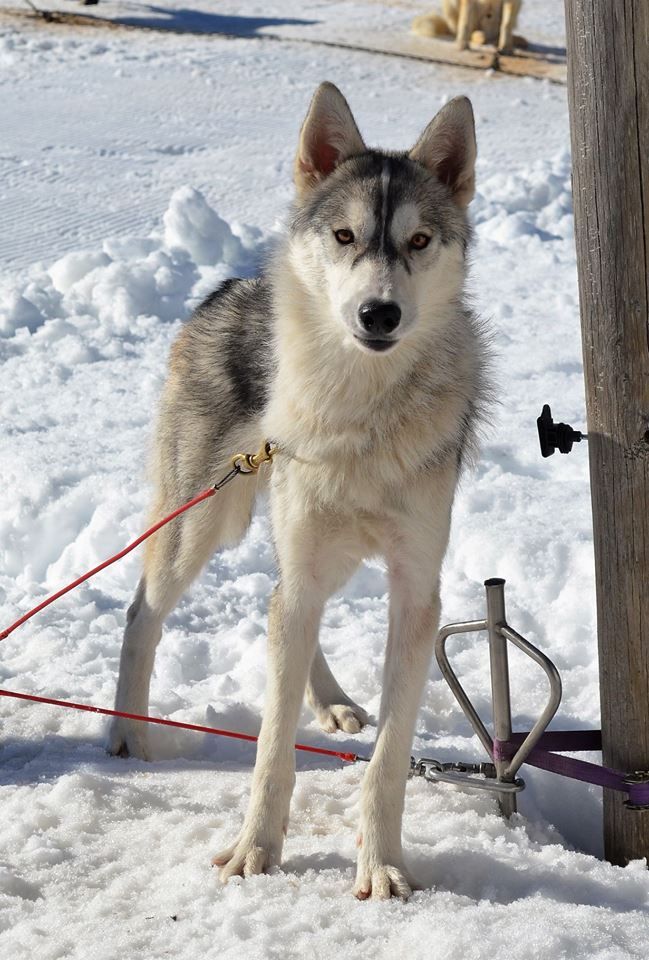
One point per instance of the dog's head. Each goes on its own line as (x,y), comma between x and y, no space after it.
(382,236)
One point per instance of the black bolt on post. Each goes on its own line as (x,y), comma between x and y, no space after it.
(556,436)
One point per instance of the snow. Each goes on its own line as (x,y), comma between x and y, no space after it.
(137,170)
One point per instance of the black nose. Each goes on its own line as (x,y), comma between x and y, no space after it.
(379,317)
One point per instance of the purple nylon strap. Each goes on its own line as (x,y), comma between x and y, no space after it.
(569,740)
(573,741)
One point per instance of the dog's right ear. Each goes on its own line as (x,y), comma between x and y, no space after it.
(328,136)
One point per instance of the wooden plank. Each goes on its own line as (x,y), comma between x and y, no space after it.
(531,63)
(408,45)
(608,81)
(527,65)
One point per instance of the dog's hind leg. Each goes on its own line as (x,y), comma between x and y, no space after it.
(174,557)
(333,709)
(431,25)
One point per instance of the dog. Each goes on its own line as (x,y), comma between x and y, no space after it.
(356,356)
(480,21)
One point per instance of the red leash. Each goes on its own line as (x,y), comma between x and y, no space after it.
(118,556)
(348,757)
(243,464)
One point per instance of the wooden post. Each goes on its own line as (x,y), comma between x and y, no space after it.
(608,84)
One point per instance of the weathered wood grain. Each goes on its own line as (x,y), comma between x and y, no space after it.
(608,88)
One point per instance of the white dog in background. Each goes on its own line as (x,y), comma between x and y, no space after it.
(478,21)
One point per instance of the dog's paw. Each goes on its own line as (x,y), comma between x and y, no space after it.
(128,738)
(245,858)
(382,882)
(342,716)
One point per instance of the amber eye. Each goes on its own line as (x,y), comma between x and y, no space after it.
(419,240)
(344,237)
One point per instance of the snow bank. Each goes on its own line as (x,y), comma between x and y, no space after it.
(110,292)
(192,225)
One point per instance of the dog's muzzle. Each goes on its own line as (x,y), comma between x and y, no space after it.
(378,318)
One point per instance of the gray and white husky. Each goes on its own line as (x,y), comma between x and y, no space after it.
(355,356)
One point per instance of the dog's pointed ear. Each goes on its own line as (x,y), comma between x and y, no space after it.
(448,149)
(328,136)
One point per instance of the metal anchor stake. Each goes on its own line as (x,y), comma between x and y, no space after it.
(500,775)
(542,749)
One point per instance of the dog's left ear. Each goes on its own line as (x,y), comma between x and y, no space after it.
(329,135)
(448,149)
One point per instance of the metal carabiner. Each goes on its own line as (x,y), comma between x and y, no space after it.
(251,462)
(460,773)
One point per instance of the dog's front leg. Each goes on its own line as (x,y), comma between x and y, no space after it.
(292,634)
(465,19)
(507,23)
(313,564)
(414,556)
(381,873)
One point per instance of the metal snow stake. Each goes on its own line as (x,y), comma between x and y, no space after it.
(508,750)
